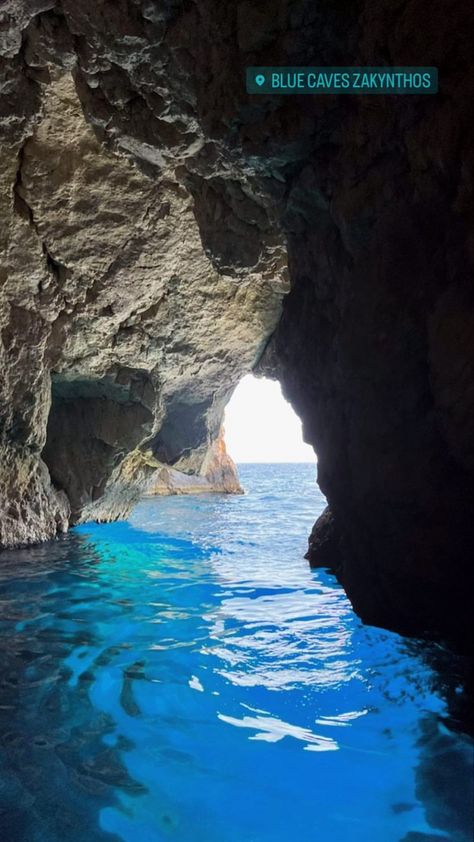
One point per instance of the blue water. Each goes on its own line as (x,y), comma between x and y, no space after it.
(185,676)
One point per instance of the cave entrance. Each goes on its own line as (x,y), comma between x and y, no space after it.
(261,426)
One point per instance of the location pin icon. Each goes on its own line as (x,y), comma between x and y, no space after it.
(260,80)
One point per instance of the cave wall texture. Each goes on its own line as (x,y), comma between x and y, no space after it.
(154,217)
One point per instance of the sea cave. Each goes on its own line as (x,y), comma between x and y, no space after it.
(165,236)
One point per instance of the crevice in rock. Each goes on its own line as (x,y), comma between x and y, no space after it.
(20,204)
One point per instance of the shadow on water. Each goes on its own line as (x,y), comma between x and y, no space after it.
(55,771)
(161,681)
(444,772)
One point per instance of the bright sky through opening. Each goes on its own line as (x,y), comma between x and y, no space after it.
(261,426)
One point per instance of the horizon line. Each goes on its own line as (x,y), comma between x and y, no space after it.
(276,462)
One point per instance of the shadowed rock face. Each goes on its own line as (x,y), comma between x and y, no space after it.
(148,209)
(91,424)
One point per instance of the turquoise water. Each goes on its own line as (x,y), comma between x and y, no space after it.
(185,676)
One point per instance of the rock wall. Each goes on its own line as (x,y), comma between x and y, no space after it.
(149,206)
(117,330)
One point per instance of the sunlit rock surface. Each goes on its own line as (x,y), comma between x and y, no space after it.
(116,318)
(218,474)
(148,205)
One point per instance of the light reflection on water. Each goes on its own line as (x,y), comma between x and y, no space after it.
(186,677)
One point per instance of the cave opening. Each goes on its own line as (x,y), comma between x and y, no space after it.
(261,426)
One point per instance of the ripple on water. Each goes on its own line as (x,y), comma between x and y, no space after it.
(185,676)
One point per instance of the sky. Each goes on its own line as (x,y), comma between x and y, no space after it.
(261,426)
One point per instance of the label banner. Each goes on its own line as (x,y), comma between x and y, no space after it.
(342,80)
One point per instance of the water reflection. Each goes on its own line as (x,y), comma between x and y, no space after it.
(272,730)
(51,786)
(171,678)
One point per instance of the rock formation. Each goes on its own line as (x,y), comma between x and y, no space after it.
(148,209)
(218,474)
(118,331)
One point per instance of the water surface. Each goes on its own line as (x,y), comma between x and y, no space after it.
(185,676)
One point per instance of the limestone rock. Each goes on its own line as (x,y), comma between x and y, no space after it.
(32,510)
(118,330)
(218,474)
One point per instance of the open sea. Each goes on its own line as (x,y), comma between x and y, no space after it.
(185,677)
